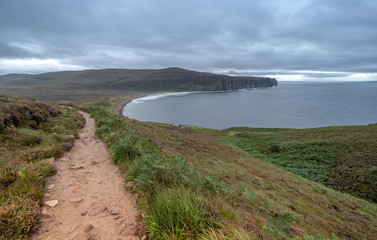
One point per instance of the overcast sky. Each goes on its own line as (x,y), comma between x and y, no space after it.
(288,39)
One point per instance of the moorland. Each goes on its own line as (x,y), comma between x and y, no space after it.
(197,183)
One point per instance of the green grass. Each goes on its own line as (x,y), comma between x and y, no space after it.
(179,214)
(254,200)
(343,158)
(170,188)
(32,133)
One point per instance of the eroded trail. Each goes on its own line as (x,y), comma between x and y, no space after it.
(88,191)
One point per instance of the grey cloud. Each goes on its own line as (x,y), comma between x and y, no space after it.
(272,73)
(318,35)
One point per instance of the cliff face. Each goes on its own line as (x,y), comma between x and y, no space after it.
(223,83)
(195,82)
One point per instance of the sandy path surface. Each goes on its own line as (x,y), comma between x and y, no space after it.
(88,194)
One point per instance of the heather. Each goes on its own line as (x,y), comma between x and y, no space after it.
(32,134)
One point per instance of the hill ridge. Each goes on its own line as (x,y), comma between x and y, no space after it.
(89,84)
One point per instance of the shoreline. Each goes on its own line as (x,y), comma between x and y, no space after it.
(118,108)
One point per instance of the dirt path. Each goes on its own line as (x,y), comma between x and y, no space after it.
(89,189)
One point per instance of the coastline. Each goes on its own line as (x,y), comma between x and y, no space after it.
(118,108)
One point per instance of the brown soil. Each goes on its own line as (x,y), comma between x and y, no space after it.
(92,201)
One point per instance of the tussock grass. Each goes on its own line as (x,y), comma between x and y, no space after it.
(178,214)
(125,150)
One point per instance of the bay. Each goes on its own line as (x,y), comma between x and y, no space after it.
(290,105)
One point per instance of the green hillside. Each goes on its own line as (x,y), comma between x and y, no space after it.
(173,168)
(343,158)
(89,85)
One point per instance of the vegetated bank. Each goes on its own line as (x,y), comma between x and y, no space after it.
(94,85)
(31,135)
(343,158)
(193,185)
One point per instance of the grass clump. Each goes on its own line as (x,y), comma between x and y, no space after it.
(178,214)
(152,171)
(125,150)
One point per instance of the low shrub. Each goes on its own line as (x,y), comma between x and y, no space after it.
(7,180)
(275,148)
(19,218)
(66,146)
(32,140)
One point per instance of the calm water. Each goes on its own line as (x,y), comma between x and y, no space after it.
(290,105)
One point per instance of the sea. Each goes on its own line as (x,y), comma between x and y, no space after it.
(289,105)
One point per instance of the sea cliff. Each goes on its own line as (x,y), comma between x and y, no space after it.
(176,79)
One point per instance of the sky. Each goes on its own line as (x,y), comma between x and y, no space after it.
(286,39)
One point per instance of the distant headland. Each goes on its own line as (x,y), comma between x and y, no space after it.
(84,85)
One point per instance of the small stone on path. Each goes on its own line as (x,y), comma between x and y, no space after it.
(76,168)
(75,200)
(130,184)
(98,211)
(44,211)
(87,228)
(43,236)
(52,203)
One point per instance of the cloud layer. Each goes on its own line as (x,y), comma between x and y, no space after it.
(312,36)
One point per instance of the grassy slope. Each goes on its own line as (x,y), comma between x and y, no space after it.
(343,158)
(320,210)
(255,197)
(30,133)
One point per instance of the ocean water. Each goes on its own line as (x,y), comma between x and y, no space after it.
(290,105)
